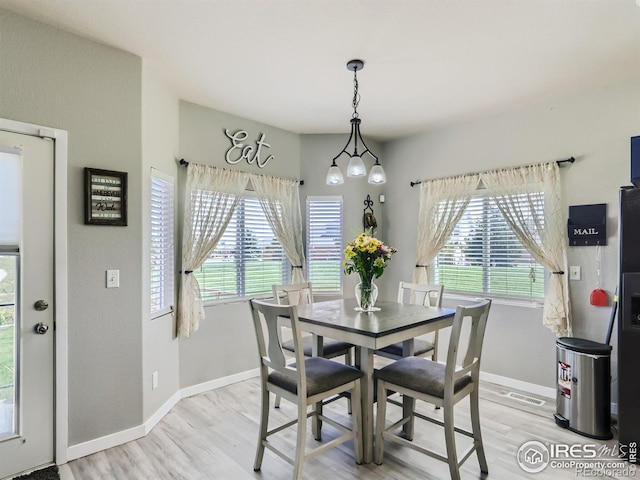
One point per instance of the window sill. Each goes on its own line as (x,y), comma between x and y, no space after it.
(495,300)
(161,313)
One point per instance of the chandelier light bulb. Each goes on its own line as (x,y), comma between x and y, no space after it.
(356,167)
(334,176)
(377,175)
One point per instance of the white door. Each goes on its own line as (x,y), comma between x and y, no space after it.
(26,303)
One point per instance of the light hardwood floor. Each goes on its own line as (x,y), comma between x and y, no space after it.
(213,436)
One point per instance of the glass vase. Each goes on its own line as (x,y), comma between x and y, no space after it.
(366,296)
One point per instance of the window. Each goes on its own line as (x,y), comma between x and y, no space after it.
(248,259)
(161,251)
(483,256)
(324,244)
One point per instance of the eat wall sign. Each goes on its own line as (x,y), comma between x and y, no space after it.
(249,151)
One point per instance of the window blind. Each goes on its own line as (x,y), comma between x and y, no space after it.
(10,196)
(162,243)
(248,259)
(324,244)
(483,256)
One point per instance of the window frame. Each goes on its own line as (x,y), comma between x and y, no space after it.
(487,205)
(168,282)
(317,288)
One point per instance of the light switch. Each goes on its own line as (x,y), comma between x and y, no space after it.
(113,278)
(574,273)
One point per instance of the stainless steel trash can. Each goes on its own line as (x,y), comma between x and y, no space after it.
(583,396)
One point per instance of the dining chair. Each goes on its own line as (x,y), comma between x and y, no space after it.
(421,294)
(443,385)
(307,382)
(302,293)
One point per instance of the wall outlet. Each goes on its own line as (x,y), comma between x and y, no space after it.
(575,273)
(154,380)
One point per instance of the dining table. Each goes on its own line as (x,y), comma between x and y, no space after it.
(392,322)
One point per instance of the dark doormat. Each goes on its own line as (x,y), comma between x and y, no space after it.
(49,473)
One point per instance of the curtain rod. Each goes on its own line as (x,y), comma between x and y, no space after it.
(559,162)
(184,163)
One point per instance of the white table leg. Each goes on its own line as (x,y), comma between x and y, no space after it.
(365,362)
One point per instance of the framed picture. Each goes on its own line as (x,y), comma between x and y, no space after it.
(105,197)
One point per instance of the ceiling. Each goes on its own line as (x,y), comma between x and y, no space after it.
(428,63)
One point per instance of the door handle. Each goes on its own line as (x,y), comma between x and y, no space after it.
(41,328)
(41,305)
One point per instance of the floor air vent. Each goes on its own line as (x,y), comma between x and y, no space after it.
(526,399)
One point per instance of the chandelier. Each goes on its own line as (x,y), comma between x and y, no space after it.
(356,166)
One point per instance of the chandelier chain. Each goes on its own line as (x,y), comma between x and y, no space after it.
(356,95)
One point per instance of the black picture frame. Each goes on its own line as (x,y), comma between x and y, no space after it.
(105,197)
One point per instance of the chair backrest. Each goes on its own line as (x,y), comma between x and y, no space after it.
(293,294)
(475,315)
(267,319)
(420,293)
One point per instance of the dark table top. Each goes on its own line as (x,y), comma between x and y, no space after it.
(392,316)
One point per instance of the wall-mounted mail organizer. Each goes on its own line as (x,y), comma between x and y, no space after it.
(587,225)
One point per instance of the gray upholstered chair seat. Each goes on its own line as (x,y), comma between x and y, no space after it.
(420,347)
(322,375)
(442,385)
(310,381)
(330,348)
(420,375)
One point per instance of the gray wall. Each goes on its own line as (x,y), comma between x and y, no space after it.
(593,126)
(225,343)
(53,78)
(159,151)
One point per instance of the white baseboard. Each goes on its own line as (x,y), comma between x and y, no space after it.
(547,392)
(219,382)
(161,412)
(124,436)
(103,443)
(529,387)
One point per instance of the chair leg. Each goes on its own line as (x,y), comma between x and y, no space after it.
(277,403)
(380,422)
(434,355)
(347,361)
(408,407)
(357,422)
(450,440)
(477,435)
(317,423)
(301,439)
(262,433)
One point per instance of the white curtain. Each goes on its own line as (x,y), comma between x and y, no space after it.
(211,197)
(442,203)
(515,192)
(280,200)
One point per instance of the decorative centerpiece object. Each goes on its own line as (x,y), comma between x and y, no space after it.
(367,256)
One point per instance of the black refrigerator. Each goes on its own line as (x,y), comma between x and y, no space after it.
(629,322)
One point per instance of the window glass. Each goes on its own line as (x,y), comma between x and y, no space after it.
(483,256)
(248,259)
(324,244)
